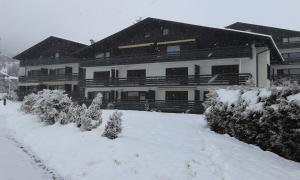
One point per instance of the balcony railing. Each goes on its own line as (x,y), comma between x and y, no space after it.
(48,61)
(153,105)
(192,80)
(285,78)
(185,55)
(56,77)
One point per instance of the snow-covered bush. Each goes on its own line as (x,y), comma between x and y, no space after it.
(113,126)
(28,103)
(268,118)
(91,117)
(53,106)
(74,113)
(50,105)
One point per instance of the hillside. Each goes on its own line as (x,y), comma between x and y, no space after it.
(152,146)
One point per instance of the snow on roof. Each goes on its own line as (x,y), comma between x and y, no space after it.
(258,34)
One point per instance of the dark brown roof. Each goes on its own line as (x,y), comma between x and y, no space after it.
(49,47)
(276,33)
(209,35)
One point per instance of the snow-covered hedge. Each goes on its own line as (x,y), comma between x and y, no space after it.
(269,118)
(55,106)
(50,105)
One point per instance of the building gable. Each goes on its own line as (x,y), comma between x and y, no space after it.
(49,47)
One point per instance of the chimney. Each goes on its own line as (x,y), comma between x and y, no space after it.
(92,41)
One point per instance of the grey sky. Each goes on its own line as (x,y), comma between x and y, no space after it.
(24,23)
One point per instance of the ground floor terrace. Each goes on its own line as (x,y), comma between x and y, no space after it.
(70,88)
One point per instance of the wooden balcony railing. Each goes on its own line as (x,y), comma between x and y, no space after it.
(284,78)
(56,77)
(185,55)
(153,105)
(192,80)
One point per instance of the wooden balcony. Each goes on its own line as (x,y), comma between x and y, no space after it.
(192,80)
(286,78)
(153,105)
(41,78)
(184,55)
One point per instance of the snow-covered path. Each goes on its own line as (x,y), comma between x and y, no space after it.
(152,146)
(15,164)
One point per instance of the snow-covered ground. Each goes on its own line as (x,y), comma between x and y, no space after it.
(14,163)
(152,146)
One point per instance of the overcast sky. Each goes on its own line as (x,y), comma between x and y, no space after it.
(24,23)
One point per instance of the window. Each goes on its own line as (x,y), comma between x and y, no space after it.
(291,55)
(165,32)
(294,39)
(171,72)
(205,93)
(133,95)
(147,35)
(294,55)
(60,71)
(173,49)
(176,95)
(136,73)
(295,71)
(291,40)
(287,72)
(285,55)
(285,40)
(56,55)
(102,55)
(102,75)
(99,56)
(226,69)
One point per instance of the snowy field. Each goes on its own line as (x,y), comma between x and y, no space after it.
(152,146)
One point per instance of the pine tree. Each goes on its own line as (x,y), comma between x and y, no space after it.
(113,126)
(92,116)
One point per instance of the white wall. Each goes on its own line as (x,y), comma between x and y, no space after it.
(159,69)
(263,62)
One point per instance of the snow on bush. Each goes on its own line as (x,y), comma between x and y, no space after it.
(91,117)
(268,118)
(113,126)
(53,106)
(28,103)
(50,105)
(228,97)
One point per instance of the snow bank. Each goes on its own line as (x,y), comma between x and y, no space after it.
(294,98)
(264,93)
(152,146)
(250,97)
(227,96)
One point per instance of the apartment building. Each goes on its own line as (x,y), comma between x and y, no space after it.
(153,64)
(288,42)
(48,65)
(167,63)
